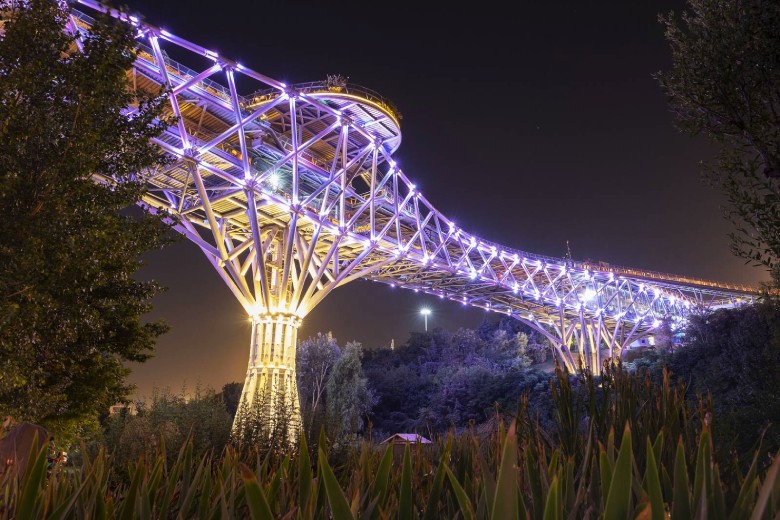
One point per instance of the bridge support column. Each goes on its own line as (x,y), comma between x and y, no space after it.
(578,341)
(269,401)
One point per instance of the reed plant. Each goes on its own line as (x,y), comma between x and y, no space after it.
(624,447)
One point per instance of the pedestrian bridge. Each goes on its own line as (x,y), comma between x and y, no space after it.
(291,191)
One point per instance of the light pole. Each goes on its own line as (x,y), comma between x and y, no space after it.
(425,312)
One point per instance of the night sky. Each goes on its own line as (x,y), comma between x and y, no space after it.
(528,127)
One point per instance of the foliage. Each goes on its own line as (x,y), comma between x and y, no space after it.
(231,396)
(263,423)
(470,394)
(314,361)
(452,379)
(202,418)
(70,307)
(349,397)
(734,355)
(725,83)
(660,461)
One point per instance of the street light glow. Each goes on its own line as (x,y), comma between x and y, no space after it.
(425,311)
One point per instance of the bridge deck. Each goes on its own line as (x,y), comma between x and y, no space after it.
(314,163)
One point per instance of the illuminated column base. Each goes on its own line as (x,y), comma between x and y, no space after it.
(269,401)
(580,350)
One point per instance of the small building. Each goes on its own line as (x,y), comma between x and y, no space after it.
(647,341)
(120,408)
(401,440)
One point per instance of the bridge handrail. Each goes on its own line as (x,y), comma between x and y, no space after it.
(172,66)
(630,271)
(315,87)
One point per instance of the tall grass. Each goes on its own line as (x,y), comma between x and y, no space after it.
(623,448)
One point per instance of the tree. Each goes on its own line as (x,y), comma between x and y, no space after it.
(664,335)
(71,310)
(349,398)
(314,359)
(725,83)
(231,396)
(734,355)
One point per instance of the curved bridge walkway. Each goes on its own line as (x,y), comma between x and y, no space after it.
(291,191)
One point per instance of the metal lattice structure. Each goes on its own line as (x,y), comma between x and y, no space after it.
(292,191)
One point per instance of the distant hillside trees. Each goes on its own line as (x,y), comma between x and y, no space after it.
(439,379)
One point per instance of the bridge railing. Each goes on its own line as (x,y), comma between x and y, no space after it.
(173,67)
(629,271)
(314,87)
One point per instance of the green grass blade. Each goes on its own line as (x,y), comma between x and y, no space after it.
(619,496)
(190,492)
(405,501)
(381,480)
(128,509)
(186,472)
(534,481)
(766,490)
(653,483)
(746,492)
(33,481)
(702,468)
(172,480)
(552,507)
(205,494)
(487,474)
(276,482)
(255,498)
(466,509)
(432,507)
(62,512)
(505,506)
(717,500)
(304,474)
(658,446)
(339,505)
(681,501)
(605,475)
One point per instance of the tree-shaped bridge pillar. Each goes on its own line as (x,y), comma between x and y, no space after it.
(581,342)
(270,395)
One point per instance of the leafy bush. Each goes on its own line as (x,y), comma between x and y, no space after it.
(171,419)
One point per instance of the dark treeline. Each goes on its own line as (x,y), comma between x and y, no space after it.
(446,379)
(439,381)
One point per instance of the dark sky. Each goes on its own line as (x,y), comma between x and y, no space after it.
(529,127)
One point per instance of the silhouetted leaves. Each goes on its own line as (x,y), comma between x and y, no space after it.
(70,307)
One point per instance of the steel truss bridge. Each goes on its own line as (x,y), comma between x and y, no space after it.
(291,191)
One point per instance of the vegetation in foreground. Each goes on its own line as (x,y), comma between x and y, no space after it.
(642,452)
(71,310)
